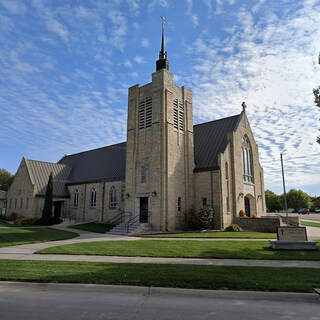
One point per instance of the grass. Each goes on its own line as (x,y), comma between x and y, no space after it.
(4,223)
(162,275)
(93,227)
(310,224)
(16,236)
(223,249)
(231,235)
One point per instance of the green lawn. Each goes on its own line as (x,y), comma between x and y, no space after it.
(15,236)
(222,249)
(310,224)
(161,275)
(231,235)
(93,227)
(3,223)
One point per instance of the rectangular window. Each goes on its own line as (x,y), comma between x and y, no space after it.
(204,202)
(179,204)
(76,199)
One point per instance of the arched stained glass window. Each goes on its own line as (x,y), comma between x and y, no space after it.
(247,168)
(112,197)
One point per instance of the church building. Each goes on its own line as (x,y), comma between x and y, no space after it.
(167,166)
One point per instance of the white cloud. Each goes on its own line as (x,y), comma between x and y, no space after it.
(145,43)
(161,3)
(13,6)
(271,64)
(139,59)
(194,17)
(127,63)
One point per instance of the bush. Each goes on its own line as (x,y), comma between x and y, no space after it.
(21,221)
(48,222)
(202,219)
(13,216)
(233,228)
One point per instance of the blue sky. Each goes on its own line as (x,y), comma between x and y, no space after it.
(66,65)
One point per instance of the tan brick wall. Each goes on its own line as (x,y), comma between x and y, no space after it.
(20,190)
(167,153)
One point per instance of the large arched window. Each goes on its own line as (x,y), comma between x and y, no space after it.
(247,160)
(112,197)
(76,198)
(93,198)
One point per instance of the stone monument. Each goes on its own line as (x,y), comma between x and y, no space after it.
(292,238)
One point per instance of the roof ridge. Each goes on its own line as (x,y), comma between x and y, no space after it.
(74,154)
(60,164)
(199,124)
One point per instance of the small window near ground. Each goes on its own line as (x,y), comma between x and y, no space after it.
(204,202)
(93,199)
(179,204)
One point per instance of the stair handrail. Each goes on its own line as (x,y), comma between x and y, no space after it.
(134,219)
(116,219)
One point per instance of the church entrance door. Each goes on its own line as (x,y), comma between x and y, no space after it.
(144,210)
(247,206)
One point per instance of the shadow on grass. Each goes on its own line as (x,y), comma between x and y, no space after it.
(181,276)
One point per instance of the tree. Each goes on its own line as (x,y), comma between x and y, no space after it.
(47,209)
(273,201)
(298,199)
(6,179)
(316,93)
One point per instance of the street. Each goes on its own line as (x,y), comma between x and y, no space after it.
(77,301)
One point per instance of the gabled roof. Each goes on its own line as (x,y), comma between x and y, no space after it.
(103,164)
(39,172)
(211,139)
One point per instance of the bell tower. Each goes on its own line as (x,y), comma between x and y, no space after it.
(160,153)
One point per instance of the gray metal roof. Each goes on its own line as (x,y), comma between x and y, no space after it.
(39,172)
(211,139)
(107,163)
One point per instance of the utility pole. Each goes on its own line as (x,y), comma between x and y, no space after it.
(284,190)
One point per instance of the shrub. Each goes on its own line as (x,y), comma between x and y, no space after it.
(233,228)
(202,219)
(48,222)
(13,216)
(21,221)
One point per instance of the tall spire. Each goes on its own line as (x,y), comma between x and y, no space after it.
(162,63)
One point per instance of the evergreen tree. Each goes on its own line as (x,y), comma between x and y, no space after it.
(47,209)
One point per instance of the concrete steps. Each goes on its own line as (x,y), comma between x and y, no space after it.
(122,229)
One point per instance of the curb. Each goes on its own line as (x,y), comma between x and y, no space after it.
(161,291)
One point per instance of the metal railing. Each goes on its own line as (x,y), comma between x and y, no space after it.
(135,219)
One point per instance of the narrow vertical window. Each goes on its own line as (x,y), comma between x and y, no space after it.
(76,198)
(143,174)
(112,198)
(178,115)
(21,203)
(27,203)
(179,204)
(204,202)
(93,198)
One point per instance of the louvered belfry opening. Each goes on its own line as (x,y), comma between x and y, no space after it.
(145,113)
(178,115)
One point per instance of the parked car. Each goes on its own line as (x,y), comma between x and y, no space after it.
(304,211)
(317,210)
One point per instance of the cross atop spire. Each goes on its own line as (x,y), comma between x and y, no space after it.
(162,63)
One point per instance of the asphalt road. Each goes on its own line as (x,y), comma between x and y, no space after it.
(64,301)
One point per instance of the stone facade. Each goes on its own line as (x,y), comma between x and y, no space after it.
(162,179)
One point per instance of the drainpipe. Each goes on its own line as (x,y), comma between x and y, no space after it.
(103,198)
